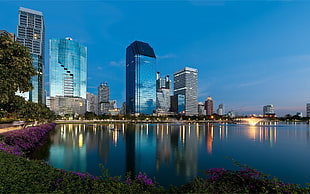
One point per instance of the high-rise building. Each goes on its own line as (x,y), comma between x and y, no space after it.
(221,111)
(201,108)
(268,111)
(163,93)
(185,83)
(67,73)
(92,103)
(140,78)
(308,110)
(103,98)
(68,68)
(31,33)
(209,106)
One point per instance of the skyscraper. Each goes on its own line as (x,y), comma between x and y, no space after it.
(31,33)
(221,110)
(68,68)
(185,83)
(308,109)
(268,111)
(209,106)
(103,98)
(163,93)
(140,78)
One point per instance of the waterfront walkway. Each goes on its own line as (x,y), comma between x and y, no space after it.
(9,127)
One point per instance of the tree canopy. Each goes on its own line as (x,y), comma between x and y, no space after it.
(16,69)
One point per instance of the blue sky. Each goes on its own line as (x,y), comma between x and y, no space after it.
(248,53)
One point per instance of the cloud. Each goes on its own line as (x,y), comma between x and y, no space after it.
(120,63)
(167,56)
(252,83)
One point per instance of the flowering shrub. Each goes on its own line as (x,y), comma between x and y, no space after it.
(21,142)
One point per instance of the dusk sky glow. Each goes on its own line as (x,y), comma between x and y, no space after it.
(248,53)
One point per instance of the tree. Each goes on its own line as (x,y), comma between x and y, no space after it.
(16,69)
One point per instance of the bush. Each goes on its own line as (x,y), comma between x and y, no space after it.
(21,175)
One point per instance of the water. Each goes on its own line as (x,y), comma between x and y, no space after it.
(176,153)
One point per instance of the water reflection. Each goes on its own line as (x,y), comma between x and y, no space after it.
(173,153)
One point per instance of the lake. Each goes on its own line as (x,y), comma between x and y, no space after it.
(176,153)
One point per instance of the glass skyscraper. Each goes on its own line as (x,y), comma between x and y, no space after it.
(67,68)
(185,83)
(140,78)
(31,33)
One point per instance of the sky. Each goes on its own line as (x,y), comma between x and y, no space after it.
(248,53)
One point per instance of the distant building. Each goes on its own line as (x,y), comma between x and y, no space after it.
(268,111)
(163,93)
(299,114)
(140,79)
(92,103)
(178,104)
(10,35)
(31,33)
(103,98)
(201,109)
(185,83)
(209,106)
(308,110)
(221,111)
(73,106)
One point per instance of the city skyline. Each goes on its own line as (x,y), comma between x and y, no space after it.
(248,54)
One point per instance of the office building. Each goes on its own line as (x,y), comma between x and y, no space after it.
(163,93)
(68,68)
(209,106)
(31,33)
(103,98)
(268,111)
(67,73)
(221,111)
(140,79)
(185,83)
(92,103)
(201,109)
(308,110)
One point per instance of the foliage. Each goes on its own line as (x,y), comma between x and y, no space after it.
(21,175)
(16,69)
(24,141)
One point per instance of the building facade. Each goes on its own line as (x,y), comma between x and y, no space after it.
(68,68)
(201,109)
(92,103)
(31,33)
(221,111)
(8,34)
(308,110)
(185,83)
(140,79)
(103,98)
(163,93)
(209,106)
(268,111)
(67,73)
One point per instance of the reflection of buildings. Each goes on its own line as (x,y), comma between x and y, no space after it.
(263,134)
(140,78)
(209,137)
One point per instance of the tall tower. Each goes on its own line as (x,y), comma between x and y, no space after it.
(185,83)
(209,106)
(31,33)
(103,98)
(163,93)
(68,68)
(140,78)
